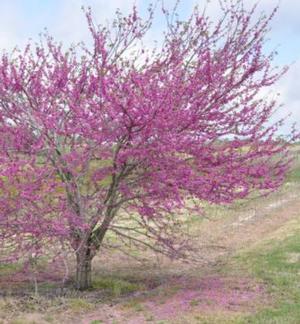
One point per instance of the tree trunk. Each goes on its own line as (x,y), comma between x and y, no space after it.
(83,270)
(87,250)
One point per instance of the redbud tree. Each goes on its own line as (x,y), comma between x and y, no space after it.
(117,137)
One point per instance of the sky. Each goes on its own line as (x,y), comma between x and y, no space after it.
(25,19)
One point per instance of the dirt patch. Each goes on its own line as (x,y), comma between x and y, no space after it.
(293,257)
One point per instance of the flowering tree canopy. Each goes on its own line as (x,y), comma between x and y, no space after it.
(116,137)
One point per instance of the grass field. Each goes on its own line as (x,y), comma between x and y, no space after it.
(277,264)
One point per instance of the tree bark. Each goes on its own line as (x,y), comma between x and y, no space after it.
(83,270)
(86,252)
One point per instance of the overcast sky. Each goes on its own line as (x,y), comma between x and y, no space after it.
(24,19)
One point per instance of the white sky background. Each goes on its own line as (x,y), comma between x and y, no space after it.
(24,19)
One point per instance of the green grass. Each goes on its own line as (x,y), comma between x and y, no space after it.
(294,175)
(79,305)
(9,268)
(278,266)
(116,287)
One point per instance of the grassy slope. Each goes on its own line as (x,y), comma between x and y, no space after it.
(277,264)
